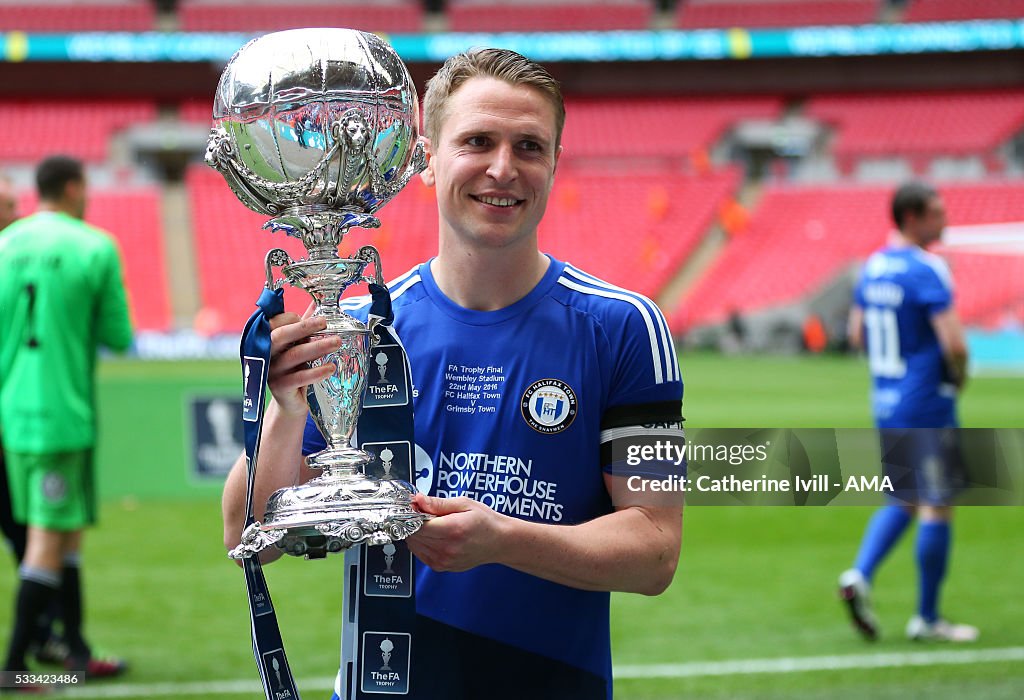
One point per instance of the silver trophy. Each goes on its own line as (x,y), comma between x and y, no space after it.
(317,128)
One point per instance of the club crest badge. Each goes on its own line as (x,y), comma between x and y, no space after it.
(549,406)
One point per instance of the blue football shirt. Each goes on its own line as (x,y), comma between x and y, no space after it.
(900,289)
(512,408)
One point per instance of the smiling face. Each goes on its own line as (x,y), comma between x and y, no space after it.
(493,164)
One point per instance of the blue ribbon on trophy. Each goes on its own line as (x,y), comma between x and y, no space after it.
(316,128)
(267,645)
(379,604)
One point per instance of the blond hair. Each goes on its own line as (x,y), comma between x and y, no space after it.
(501,64)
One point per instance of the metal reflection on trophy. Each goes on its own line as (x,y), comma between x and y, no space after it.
(317,128)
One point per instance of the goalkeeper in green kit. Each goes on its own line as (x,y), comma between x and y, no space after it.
(62,296)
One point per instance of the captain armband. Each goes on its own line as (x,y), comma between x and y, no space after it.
(645,440)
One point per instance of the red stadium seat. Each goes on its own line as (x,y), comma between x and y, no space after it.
(133,217)
(923,124)
(671,127)
(230,245)
(550,16)
(941,10)
(696,14)
(64,16)
(633,229)
(800,238)
(989,277)
(196,111)
(224,15)
(80,128)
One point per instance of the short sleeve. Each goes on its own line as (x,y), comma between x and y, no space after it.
(645,366)
(935,289)
(646,389)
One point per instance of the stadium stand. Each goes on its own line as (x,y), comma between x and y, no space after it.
(989,276)
(230,246)
(245,15)
(548,15)
(655,126)
(69,16)
(408,230)
(637,127)
(919,126)
(620,170)
(800,238)
(80,128)
(723,14)
(990,287)
(632,229)
(132,216)
(942,10)
(196,111)
(629,228)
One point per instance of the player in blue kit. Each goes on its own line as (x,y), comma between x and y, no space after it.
(903,315)
(526,372)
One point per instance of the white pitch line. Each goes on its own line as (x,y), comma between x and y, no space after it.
(113,689)
(697,669)
(802,664)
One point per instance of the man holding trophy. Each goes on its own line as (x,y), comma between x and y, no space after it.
(526,372)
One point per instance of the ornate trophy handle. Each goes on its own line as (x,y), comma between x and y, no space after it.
(254,540)
(372,255)
(222,154)
(275,258)
(374,336)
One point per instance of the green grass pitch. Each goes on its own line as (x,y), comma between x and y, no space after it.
(753,583)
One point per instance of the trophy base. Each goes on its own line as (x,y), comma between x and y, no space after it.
(331,513)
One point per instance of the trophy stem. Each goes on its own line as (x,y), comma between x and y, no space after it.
(325,252)
(343,505)
(336,401)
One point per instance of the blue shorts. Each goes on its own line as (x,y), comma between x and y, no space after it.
(924,465)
